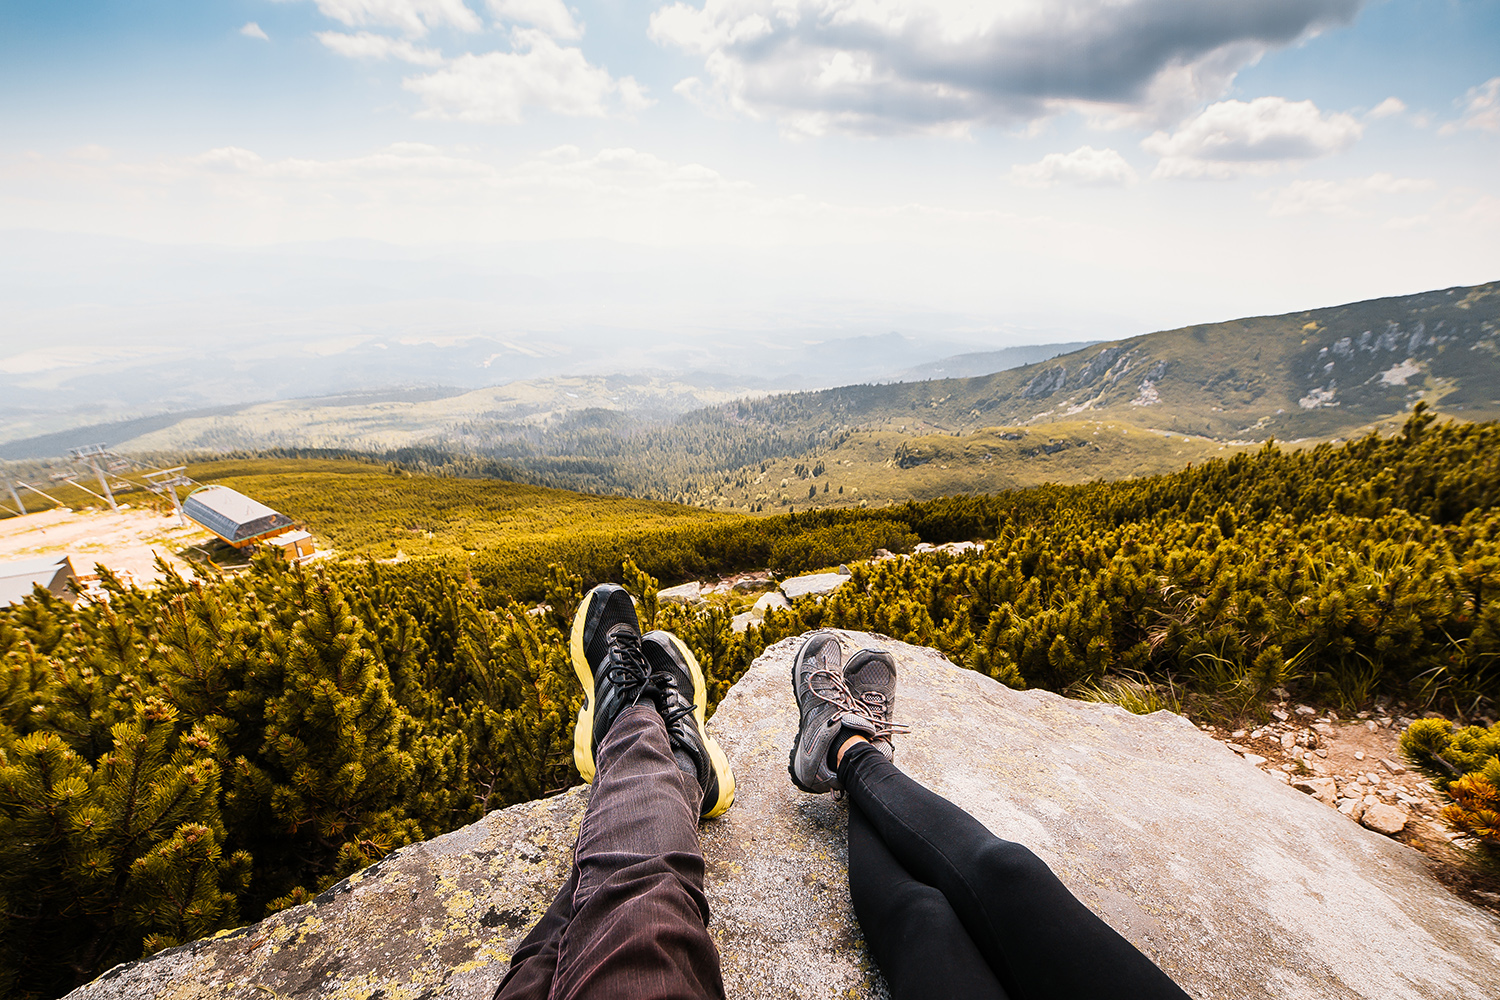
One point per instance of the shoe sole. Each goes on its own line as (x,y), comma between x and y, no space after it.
(700,719)
(583,731)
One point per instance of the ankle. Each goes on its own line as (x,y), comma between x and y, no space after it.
(841,743)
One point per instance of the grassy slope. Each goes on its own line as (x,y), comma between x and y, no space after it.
(1239,380)
(1151,403)
(361,508)
(876,467)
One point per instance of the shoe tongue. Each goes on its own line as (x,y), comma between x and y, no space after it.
(857,723)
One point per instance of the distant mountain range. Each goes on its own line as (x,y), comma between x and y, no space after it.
(987,362)
(388,418)
(1319,374)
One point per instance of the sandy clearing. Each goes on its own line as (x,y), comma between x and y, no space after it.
(127,540)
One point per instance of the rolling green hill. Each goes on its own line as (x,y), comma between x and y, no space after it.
(370,510)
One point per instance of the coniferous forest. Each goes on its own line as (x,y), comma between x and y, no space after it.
(191,758)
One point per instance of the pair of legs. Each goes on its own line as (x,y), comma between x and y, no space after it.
(947,908)
(631,920)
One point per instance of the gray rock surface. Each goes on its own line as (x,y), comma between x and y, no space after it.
(812,583)
(684,593)
(1237,885)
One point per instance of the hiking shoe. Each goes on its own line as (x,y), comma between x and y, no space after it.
(606,652)
(826,706)
(682,700)
(870,675)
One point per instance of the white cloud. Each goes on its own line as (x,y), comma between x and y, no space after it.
(253,30)
(881,66)
(1085,165)
(1231,138)
(500,86)
(1387,108)
(366,45)
(550,16)
(1341,198)
(413,17)
(1481,110)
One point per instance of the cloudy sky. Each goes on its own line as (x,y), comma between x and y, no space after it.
(999,171)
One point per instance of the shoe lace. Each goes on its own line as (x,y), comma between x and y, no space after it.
(872,706)
(673,705)
(628,668)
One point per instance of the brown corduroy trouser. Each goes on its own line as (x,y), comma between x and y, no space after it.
(632,920)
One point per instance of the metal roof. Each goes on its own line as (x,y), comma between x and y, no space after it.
(17,578)
(231,515)
(292,536)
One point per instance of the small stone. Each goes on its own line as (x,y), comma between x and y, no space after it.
(1359,755)
(1372,778)
(1255,759)
(1321,752)
(1306,710)
(1333,716)
(1288,740)
(1238,734)
(1353,808)
(1370,725)
(1257,734)
(1279,715)
(1389,820)
(1363,715)
(1392,766)
(1372,800)
(1321,789)
(1236,748)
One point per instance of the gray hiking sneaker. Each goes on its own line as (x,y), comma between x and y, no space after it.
(870,676)
(826,705)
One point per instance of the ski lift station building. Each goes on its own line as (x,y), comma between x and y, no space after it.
(234,517)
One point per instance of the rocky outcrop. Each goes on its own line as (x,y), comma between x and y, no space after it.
(1238,885)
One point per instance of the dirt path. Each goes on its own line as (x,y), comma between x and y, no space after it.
(127,540)
(1355,764)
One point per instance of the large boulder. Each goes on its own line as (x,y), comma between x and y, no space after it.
(1238,885)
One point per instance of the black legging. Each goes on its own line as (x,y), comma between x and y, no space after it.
(951,910)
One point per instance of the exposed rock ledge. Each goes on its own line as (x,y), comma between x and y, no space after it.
(1237,885)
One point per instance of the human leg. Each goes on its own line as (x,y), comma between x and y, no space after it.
(639,921)
(913,934)
(1039,939)
(631,921)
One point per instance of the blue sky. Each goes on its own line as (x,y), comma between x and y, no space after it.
(1032,169)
